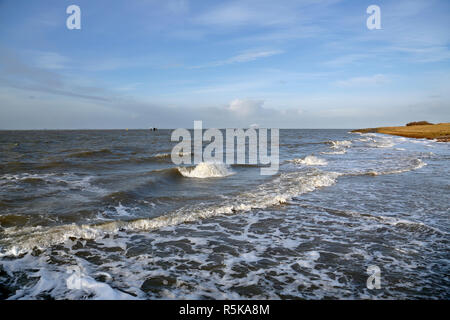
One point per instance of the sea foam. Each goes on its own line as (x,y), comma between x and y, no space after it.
(278,191)
(310,161)
(206,170)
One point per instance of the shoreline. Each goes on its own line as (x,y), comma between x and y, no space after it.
(439,132)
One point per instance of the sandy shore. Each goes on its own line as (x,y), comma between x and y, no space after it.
(440,131)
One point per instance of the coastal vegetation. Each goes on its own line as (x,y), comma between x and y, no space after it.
(421,129)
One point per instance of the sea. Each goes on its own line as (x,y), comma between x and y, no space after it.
(106,214)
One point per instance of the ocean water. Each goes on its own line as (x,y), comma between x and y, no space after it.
(107,215)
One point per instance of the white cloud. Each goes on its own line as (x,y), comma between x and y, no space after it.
(246,13)
(246,56)
(262,13)
(378,79)
(426,54)
(246,107)
(50,60)
(250,56)
(346,59)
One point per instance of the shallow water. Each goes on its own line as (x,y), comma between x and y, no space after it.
(105,214)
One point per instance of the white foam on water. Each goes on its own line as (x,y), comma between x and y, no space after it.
(24,176)
(308,260)
(246,257)
(122,211)
(376,140)
(339,147)
(80,281)
(206,170)
(393,221)
(340,144)
(279,191)
(168,155)
(343,151)
(70,282)
(385,143)
(310,161)
(71,181)
(414,164)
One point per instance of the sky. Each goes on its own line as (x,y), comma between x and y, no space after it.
(275,64)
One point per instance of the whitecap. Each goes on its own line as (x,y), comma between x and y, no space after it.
(310,161)
(206,170)
(276,192)
(415,164)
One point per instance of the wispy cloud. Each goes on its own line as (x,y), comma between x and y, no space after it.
(29,77)
(246,56)
(50,60)
(346,60)
(375,80)
(259,13)
(240,13)
(425,54)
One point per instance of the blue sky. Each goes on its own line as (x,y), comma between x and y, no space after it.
(286,64)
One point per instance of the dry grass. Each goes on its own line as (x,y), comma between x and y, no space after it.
(439,131)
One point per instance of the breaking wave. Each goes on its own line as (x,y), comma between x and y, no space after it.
(310,161)
(384,143)
(342,151)
(340,144)
(206,170)
(285,187)
(339,147)
(412,165)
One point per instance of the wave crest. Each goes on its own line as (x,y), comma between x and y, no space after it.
(206,170)
(310,161)
(14,241)
(412,165)
(340,144)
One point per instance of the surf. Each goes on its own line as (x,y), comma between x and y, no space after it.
(206,170)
